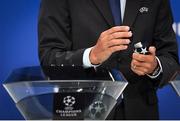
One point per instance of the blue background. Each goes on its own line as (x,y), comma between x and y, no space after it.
(18,48)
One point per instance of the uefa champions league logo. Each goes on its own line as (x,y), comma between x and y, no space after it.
(97,110)
(69,110)
(69,101)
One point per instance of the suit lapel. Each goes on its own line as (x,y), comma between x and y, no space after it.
(131,12)
(104,9)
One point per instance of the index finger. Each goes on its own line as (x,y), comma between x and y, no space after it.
(118,29)
(140,57)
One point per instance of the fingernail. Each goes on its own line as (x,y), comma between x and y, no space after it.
(125,46)
(130,33)
(128,41)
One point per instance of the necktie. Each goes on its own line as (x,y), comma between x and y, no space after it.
(115,6)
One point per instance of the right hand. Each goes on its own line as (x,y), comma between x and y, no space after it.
(110,41)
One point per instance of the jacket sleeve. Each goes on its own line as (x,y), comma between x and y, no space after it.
(165,42)
(54,32)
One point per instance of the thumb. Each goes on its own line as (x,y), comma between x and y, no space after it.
(152,50)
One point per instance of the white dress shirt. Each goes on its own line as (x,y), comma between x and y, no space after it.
(86,60)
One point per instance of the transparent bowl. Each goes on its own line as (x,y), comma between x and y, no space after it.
(44,99)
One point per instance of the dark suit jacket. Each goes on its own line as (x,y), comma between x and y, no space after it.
(68,27)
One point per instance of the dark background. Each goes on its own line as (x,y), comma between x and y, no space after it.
(18,48)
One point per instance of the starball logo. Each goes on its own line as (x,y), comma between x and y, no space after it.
(176,27)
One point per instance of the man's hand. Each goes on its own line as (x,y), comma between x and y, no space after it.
(144,64)
(110,41)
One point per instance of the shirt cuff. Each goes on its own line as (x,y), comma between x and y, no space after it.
(86,60)
(158,71)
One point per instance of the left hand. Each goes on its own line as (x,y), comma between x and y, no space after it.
(144,64)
